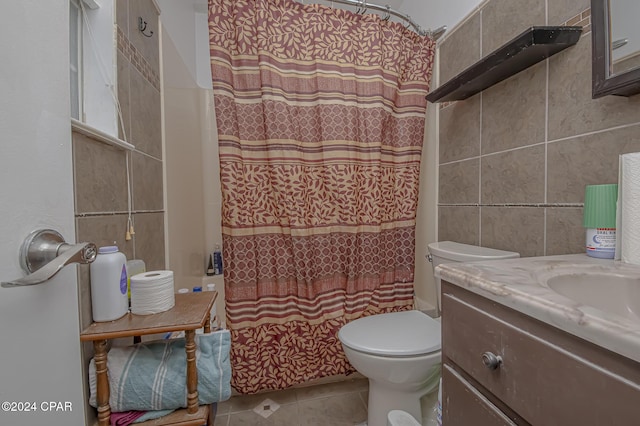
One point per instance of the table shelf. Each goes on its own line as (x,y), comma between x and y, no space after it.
(191,312)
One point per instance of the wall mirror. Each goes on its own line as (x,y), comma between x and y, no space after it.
(615,35)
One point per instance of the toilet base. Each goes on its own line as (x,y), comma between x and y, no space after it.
(383,399)
(401,418)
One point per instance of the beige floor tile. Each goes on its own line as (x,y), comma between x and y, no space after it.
(339,410)
(330,389)
(249,402)
(286,415)
(330,404)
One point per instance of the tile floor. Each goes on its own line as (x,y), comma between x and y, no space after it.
(332,404)
(340,403)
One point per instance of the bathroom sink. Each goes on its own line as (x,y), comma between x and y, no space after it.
(617,294)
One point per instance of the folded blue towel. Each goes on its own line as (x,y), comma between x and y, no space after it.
(152,375)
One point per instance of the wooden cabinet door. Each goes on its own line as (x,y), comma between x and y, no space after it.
(463,405)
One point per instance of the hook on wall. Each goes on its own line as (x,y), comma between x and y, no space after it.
(142,26)
(387,13)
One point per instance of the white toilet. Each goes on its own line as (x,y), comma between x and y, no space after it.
(399,352)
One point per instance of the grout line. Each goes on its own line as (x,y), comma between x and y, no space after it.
(493,153)
(595,132)
(554,205)
(124,213)
(581,135)
(546,152)
(481,13)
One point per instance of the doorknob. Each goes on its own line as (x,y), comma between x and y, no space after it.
(44,252)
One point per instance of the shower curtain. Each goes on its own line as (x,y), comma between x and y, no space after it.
(320,116)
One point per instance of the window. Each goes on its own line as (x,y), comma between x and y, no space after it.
(92,67)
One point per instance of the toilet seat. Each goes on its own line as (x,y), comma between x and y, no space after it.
(393,334)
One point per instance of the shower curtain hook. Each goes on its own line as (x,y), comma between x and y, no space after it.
(387,13)
(364,8)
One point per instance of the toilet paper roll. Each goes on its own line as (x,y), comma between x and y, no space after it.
(152,292)
(628,223)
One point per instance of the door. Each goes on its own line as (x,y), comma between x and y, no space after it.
(40,364)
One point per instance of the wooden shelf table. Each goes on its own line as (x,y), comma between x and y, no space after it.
(191,312)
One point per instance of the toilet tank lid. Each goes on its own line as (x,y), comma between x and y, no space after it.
(459,252)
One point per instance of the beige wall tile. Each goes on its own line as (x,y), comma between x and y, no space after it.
(461,49)
(146,182)
(572,111)
(584,138)
(561,11)
(587,160)
(519,229)
(459,224)
(513,176)
(107,230)
(149,240)
(99,175)
(147,46)
(502,20)
(513,111)
(146,133)
(565,234)
(459,182)
(460,130)
(122,15)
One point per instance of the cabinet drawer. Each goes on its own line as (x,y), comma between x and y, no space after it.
(547,376)
(466,406)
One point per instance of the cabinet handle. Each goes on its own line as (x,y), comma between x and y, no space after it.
(491,361)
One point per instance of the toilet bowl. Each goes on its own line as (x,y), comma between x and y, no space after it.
(399,352)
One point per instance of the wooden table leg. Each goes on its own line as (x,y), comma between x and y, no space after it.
(102,382)
(207,324)
(192,372)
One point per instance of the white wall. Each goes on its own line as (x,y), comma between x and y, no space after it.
(193,215)
(40,349)
(432,14)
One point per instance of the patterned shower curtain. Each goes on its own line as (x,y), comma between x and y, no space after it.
(320,115)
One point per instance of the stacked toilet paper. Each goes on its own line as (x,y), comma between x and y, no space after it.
(152,292)
(628,209)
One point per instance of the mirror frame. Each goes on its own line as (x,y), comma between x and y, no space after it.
(603,83)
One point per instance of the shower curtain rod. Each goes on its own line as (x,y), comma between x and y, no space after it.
(363,5)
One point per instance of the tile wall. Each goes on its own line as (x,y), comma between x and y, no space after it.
(514,159)
(100,180)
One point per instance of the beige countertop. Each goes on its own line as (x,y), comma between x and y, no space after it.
(520,284)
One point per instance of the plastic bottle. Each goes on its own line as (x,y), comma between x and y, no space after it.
(210,270)
(217,260)
(212,316)
(109,299)
(134,266)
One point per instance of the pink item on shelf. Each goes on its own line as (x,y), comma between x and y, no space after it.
(125,418)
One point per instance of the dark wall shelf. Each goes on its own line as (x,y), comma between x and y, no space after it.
(527,49)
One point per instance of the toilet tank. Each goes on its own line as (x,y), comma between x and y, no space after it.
(449,252)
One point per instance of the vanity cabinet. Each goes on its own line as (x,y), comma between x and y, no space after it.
(501,367)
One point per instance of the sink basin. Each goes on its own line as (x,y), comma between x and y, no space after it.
(611,293)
